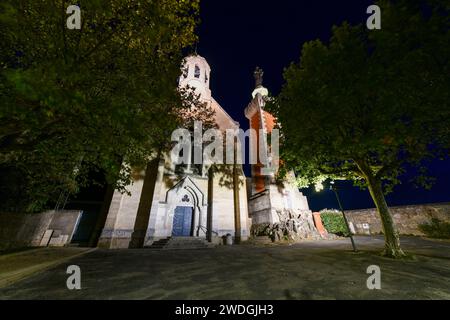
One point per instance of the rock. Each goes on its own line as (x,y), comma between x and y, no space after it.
(293,225)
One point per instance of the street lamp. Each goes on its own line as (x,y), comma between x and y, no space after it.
(334,189)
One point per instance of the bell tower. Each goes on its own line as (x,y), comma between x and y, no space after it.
(260,121)
(272,203)
(196,74)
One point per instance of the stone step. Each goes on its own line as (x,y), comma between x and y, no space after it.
(74,244)
(179,243)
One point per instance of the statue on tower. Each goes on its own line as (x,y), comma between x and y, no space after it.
(258,74)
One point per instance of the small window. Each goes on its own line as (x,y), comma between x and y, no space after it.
(197,72)
(206,77)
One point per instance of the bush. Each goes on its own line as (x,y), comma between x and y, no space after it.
(436,229)
(334,222)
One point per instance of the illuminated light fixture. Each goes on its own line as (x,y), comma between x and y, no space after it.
(318,186)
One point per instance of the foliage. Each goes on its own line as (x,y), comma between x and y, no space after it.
(436,229)
(368,96)
(374,101)
(334,222)
(78,100)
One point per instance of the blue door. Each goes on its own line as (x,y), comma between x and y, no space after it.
(182,222)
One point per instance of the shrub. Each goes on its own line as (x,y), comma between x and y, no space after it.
(334,222)
(436,229)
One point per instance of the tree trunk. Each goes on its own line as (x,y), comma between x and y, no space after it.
(145,204)
(100,224)
(391,236)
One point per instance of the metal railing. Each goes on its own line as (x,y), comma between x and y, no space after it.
(205,229)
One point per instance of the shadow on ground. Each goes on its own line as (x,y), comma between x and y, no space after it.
(307,270)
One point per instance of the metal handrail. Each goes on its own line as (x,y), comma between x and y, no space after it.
(206,230)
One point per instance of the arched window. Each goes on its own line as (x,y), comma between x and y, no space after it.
(197,71)
(206,77)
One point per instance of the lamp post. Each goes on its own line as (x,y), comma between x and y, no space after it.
(334,189)
(237,210)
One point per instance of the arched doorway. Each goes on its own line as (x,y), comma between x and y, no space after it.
(186,210)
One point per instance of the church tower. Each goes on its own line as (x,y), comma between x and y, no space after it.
(196,74)
(273,205)
(174,208)
(260,120)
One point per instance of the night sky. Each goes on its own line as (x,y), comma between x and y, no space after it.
(236,36)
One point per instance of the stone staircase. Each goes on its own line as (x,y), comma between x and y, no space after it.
(181,243)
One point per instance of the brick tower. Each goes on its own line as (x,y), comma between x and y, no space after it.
(274,207)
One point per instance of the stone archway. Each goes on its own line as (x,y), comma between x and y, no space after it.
(188,195)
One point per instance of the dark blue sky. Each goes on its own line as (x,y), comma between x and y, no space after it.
(236,36)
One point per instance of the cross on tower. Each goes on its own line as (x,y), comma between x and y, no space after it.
(258,74)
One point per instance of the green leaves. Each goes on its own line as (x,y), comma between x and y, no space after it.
(106,93)
(381,97)
(334,223)
(436,229)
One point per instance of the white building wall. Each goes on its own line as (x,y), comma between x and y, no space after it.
(121,217)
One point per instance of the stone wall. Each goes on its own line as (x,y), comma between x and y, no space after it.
(63,227)
(406,218)
(18,230)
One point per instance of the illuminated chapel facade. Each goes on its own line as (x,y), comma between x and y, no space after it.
(165,202)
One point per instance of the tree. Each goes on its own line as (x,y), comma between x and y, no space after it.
(77,100)
(369,102)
